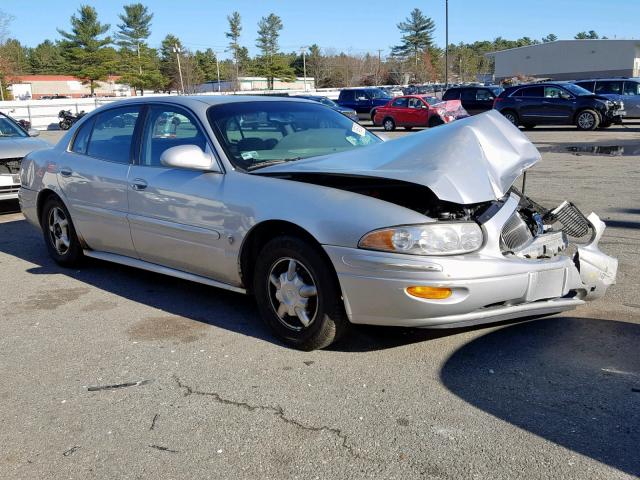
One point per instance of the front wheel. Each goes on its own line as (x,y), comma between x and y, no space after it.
(60,234)
(298,295)
(64,125)
(587,120)
(511,116)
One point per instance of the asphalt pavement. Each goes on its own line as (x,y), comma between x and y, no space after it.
(111,372)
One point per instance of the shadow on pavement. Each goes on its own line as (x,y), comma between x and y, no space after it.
(573,381)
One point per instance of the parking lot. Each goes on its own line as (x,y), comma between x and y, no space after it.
(111,372)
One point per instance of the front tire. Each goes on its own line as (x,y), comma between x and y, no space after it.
(587,120)
(60,234)
(298,295)
(511,116)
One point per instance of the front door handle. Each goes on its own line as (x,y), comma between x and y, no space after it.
(66,171)
(138,184)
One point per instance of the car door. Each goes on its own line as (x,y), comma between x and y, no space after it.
(400,112)
(93,177)
(175,214)
(484,99)
(418,112)
(528,103)
(363,101)
(558,105)
(631,98)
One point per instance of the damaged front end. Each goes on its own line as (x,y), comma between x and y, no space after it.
(534,232)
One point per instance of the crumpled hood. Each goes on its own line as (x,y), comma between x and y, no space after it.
(19,147)
(473,160)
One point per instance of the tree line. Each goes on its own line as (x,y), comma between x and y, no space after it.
(87,49)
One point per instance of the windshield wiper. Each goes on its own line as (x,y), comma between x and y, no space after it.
(272,162)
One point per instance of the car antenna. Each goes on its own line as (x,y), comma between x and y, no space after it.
(524,181)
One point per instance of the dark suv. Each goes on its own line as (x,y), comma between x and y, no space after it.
(557,104)
(474,99)
(363,100)
(625,89)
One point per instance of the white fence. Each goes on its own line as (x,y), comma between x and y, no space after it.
(43,114)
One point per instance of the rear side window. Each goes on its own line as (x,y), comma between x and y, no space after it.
(586,85)
(113,134)
(532,92)
(347,95)
(484,95)
(631,88)
(452,94)
(82,137)
(610,86)
(400,102)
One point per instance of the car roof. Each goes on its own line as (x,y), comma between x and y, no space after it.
(209,100)
(607,79)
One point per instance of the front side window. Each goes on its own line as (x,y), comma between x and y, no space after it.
(484,95)
(415,103)
(400,102)
(556,92)
(347,95)
(168,127)
(258,133)
(631,88)
(112,134)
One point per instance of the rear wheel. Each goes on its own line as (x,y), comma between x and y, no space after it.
(59,233)
(372,114)
(511,116)
(435,121)
(587,120)
(388,124)
(298,294)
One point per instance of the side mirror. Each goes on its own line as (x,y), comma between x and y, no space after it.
(190,157)
(33,133)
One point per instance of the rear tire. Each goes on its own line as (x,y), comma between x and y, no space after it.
(388,124)
(298,294)
(511,116)
(59,233)
(587,120)
(435,121)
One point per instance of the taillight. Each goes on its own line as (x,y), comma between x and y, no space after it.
(496,100)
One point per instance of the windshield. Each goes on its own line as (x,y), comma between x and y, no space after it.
(260,133)
(576,90)
(378,93)
(431,100)
(9,128)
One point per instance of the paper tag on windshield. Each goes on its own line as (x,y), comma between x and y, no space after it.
(249,155)
(359,129)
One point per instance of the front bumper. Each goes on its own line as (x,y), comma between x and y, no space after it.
(487,286)
(9,186)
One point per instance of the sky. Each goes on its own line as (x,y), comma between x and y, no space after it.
(353,26)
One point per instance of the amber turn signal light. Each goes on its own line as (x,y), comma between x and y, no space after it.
(431,293)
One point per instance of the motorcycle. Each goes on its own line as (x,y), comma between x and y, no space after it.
(67,119)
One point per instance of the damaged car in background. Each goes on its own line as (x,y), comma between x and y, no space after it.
(325,224)
(15,143)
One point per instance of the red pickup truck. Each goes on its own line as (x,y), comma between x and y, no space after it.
(417,111)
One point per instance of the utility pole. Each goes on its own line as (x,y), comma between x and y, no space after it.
(303,50)
(379,66)
(178,51)
(446,46)
(218,70)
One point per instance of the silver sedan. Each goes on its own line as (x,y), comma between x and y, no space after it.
(323,222)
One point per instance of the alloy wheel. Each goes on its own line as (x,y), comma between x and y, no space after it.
(59,230)
(388,125)
(293,293)
(586,120)
(511,117)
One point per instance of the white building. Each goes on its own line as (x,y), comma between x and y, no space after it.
(570,60)
(257,83)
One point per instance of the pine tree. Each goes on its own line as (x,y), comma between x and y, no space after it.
(235,29)
(549,38)
(139,63)
(417,35)
(86,48)
(271,64)
(46,59)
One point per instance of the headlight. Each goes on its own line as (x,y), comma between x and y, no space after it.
(450,238)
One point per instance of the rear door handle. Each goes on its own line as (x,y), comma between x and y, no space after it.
(66,171)
(138,184)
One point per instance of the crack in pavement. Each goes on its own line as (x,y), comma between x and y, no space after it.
(278,411)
